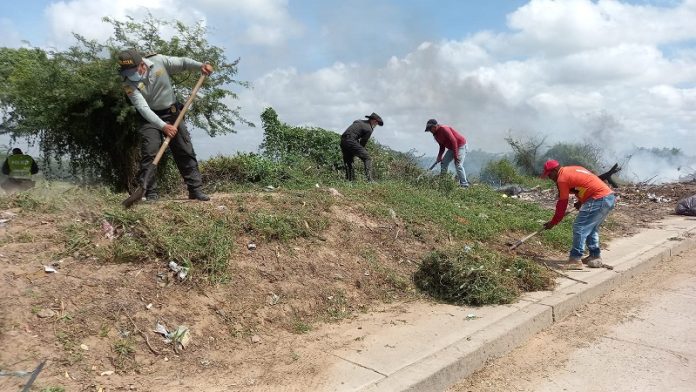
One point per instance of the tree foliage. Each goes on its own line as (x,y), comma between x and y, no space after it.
(586,155)
(525,153)
(72,103)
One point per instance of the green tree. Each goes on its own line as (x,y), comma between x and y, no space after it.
(72,103)
(587,155)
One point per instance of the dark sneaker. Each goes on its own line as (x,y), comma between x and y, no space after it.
(152,196)
(198,195)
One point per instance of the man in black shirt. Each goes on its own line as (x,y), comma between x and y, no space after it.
(353,143)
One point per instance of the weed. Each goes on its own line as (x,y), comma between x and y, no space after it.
(104,330)
(125,354)
(53,389)
(300,327)
(337,307)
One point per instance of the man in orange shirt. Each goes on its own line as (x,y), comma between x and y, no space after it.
(595,200)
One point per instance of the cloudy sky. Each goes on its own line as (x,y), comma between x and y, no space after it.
(618,73)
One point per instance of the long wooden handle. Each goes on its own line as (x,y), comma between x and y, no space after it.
(179,118)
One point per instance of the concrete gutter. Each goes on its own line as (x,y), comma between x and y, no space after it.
(426,347)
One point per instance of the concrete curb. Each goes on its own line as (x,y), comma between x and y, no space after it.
(450,364)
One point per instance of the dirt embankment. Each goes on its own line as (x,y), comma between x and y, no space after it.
(93,322)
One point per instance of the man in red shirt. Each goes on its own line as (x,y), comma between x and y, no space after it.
(455,144)
(595,200)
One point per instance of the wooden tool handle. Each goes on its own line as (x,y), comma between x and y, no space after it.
(179,118)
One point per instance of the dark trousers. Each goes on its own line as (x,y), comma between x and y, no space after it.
(182,150)
(350,150)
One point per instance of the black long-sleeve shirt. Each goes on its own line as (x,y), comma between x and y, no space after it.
(359,131)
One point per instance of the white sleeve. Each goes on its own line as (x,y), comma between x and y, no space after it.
(143,108)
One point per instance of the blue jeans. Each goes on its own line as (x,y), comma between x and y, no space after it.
(586,226)
(459,166)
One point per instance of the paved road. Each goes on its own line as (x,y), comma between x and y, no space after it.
(640,337)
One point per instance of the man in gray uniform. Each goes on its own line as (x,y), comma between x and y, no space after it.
(353,143)
(149,88)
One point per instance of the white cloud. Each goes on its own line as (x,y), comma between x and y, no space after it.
(262,22)
(84,16)
(574,70)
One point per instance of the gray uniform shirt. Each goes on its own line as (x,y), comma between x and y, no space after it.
(155,91)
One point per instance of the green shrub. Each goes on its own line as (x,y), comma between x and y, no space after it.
(243,168)
(585,155)
(501,172)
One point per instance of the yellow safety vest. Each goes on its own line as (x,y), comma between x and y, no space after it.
(20,166)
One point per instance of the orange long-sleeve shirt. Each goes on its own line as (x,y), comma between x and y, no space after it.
(584,182)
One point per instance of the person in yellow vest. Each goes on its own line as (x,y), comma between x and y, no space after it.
(19,168)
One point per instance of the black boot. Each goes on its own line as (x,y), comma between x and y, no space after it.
(350,172)
(368,170)
(196,194)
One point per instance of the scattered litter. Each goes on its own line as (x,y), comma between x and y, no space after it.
(49,269)
(84,347)
(3,221)
(316,185)
(161,329)
(181,336)
(273,299)
(467,249)
(251,246)
(334,192)
(367,273)
(107,229)
(8,214)
(471,316)
(392,213)
(163,279)
(658,199)
(148,306)
(256,339)
(106,373)
(269,188)
(46,313)
(221,208)
(180,270)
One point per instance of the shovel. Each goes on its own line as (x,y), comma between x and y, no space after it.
(137,195)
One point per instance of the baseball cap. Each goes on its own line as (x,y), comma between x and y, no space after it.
(430,123)
(549,166)
(129,60)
